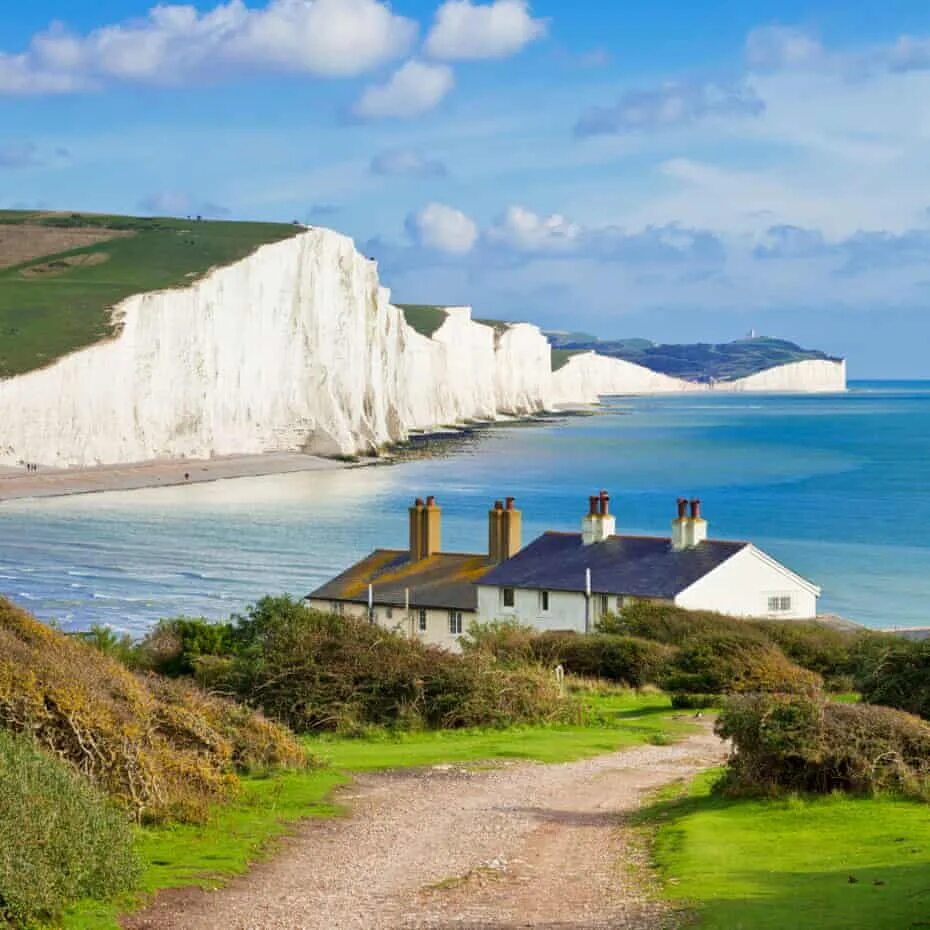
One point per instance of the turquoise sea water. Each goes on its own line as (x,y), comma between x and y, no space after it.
(837,487)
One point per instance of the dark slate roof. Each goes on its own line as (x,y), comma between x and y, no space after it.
(444,581)
(638,566)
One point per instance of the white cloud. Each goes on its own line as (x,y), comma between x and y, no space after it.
(464,30)
(443,229)
(407,163)
(176,44)
(415,88)
(175,203)
(525,231)
(777,47)
(674,104)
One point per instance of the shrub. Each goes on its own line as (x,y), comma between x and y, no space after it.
(725,664)
(163,753)
(174,647)
(803,743)
(666,623)
(319,671)
(682,701)
(62,840)
(901,679)
(508,641)
(624,659)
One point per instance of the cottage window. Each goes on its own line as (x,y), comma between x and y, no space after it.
(605,605)
(779,604)
(422,621)
(544,601)
(509,596)
(455,622)
(389,613)
(338,608)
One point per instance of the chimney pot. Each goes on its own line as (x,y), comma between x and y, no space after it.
(418,502)
(593,502)
(498,505)
(605,504)
(695,509)
(430,501)
(511,501)
(682,508)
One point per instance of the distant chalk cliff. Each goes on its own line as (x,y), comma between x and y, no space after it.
(298,347)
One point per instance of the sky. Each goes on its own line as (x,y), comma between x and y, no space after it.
(674,170)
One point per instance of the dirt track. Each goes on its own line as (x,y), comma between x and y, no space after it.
(516,846)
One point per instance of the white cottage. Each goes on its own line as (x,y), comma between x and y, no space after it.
(568,581)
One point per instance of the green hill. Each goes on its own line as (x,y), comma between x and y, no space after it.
(700,361)
(61,273)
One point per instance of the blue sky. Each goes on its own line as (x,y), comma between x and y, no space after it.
(673,170)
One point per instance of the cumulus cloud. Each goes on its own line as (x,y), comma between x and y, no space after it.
(176,44)
(467,31)
(415,88)
(407,163)
(525,231)
(176,203)
(786,241)
(675,104)
(443,229)
(19,155)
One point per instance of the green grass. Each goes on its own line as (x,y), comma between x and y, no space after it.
(561,357)
(425,319)
(238,834)
(43,318)
(827,863)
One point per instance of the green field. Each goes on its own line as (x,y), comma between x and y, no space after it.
(51,305)
(209,855)
(826,863)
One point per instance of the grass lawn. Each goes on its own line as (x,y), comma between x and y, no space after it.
(240,833)
(829,863)
(54,304)
(425,319)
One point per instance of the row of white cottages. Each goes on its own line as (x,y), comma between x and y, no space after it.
(560,581)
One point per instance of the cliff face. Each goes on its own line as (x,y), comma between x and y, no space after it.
(808,377)
(295,348)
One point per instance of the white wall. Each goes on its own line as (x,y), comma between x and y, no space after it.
(566,608)
(742,586)
(397,619)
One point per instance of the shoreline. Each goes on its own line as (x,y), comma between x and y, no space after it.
(17,484)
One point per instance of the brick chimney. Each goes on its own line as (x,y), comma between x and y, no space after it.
(505,526)
(425,529)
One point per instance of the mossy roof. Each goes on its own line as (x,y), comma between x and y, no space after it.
(445,581)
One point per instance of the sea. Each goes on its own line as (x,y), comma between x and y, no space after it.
(837,487)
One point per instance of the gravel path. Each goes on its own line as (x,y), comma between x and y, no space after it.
(456,848)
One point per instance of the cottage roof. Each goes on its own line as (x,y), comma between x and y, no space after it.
(637,566)
(444,581)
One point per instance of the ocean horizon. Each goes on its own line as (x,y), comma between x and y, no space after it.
(834,486)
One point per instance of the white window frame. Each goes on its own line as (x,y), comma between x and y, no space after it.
(780,603)
(456,623)
(513,598)
(423,620)
(545,602)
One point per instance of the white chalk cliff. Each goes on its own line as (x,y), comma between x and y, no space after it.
(297,347)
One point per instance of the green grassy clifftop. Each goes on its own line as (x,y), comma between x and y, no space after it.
(62,273)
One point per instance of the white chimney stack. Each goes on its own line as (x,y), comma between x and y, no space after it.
(598,523)
(697,525)
(680,526)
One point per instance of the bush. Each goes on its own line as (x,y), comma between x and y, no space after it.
(162,752)
(62,840)
(174,647)
(725,664)
(803,743)
(666,623)
(901,679)
(623,659)
(318,671)
(683,701)
(508,641)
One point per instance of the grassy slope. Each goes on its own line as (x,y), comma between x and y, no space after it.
(767,865)
(43,318)
(561,357)
(423,318)
(208,855)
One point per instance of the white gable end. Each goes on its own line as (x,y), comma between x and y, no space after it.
(752,584)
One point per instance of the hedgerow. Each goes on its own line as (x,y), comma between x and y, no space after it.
(61,839)
(162,750)
(901,679)
(804,743)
